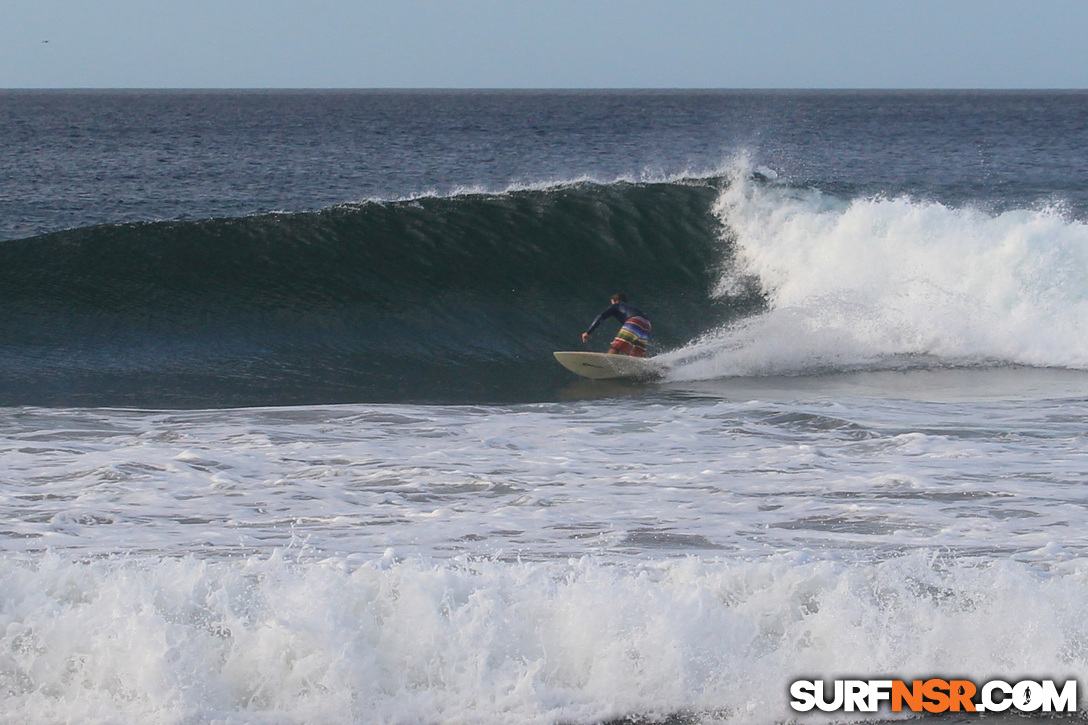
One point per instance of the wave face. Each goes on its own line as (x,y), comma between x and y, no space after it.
(434,299)
(875,282)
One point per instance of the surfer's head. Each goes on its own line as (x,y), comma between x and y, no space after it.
(619,297)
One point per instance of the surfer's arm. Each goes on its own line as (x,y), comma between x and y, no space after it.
(600,318)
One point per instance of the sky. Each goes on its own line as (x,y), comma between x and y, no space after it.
(543,44)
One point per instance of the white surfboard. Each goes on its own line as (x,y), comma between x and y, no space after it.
(602,366)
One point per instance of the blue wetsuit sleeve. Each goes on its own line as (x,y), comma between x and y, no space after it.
(610,312)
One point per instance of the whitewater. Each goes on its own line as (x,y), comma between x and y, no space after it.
(313,464)
(855,282)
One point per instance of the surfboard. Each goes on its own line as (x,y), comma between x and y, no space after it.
(602,366)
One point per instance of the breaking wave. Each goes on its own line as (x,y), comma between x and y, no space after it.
(868,283)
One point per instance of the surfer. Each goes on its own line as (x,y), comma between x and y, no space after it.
(633,335)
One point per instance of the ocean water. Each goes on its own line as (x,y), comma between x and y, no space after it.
(282,440)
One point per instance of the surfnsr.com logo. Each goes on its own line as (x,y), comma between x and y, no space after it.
(934,695)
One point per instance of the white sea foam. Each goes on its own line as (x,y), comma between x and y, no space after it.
(871,281)
(268,640)
(543,563)
(618,479)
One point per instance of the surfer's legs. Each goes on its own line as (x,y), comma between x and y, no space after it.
(622,347)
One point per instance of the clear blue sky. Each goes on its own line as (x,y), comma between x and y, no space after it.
(544,44)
